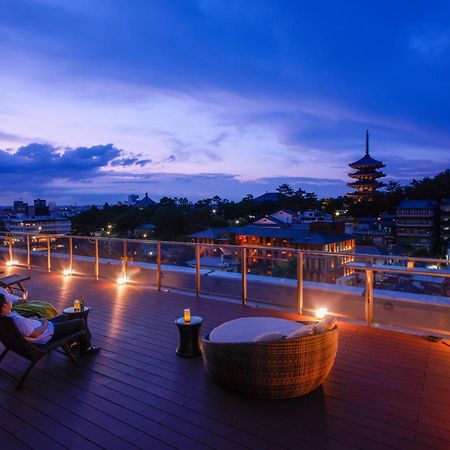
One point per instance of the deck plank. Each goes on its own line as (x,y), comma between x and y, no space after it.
(387,389)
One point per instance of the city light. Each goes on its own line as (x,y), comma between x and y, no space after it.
(321,313)
(67,272)
(11,263)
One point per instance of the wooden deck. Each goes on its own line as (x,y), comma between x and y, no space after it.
(387,390)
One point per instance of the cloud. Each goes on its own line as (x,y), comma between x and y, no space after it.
(10,137)
(131,161)
(40,164)
(406,169)
(234,96)
(46,161)
(218,139)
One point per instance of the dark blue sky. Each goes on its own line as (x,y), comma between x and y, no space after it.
(99,99)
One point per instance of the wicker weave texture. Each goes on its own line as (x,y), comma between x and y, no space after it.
(272,370)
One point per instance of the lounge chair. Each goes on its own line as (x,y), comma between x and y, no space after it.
(14,281)
(13,340)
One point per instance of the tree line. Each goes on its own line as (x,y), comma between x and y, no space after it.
(176,218)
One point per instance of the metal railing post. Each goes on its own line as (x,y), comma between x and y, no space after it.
(10,250)
(125,261)
(158,265)
(28,252)
(369,297)
(97,269)
(70,255)
(49,262)
(197,270)
(244,275)
(300,282)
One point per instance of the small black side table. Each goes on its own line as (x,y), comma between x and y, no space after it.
(80,315)
(189,345)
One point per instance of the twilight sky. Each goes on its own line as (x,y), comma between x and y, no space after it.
(191,98)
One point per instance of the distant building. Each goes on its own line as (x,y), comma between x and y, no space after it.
(285,216)
(146,201)
(416,221)
(314,236)
(445,227)
(40,208)
(41,225)
(19,207)
(132,199)
(314,215)
(267,197)
(366,176)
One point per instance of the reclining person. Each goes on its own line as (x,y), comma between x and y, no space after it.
(41,331)
(29,308)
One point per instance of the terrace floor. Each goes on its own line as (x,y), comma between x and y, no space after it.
(386,390)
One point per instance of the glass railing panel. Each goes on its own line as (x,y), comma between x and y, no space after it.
(4,249)
(111,259)
(413,299)
(178,266)
(220,269)
(272,277)
(334,282)
(83,256)
(38,252)
(19,251)
(141,262)
(59,254)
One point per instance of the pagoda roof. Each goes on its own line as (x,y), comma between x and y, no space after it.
(359,194)
(365,183)
(366,161)
(373,174)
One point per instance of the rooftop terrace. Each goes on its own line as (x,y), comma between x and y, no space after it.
(386,390)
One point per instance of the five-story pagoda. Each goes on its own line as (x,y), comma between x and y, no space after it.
(366,176)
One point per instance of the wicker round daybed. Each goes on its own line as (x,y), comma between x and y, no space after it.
(272,370)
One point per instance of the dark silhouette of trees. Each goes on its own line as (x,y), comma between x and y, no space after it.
(176,218)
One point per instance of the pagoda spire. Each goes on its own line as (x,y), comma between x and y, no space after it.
(366,176)
(367,142)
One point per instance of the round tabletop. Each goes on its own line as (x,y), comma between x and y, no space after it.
(195,320)
(71,310)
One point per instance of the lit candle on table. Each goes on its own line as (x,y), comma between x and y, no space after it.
(187,315)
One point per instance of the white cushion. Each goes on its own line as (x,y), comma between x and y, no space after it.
(271,336)
(246,329)
(305,330)
(324,325)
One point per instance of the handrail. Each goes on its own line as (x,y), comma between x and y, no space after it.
(237,247)
(400,269)
(243,250)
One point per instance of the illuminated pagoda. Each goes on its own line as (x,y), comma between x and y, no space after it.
(366,176)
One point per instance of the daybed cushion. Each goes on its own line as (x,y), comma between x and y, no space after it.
(305,330)
(324,325)
(271,336)
(246,329)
